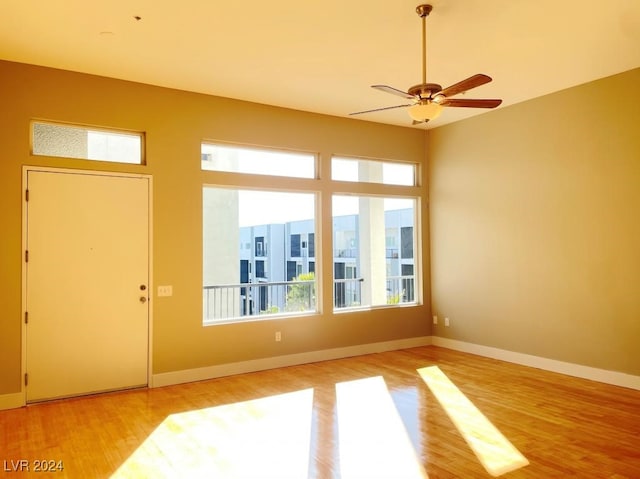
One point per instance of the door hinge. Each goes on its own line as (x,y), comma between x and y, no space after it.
(26,379)
(26,256)
(26,195)
(26,317)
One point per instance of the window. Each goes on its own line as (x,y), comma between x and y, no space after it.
(390,242)
(312,245)
(67,141)
(406,239)
(295,245)
(259,244)
(339,284)
(260,251)
(257,161)
(365,274)
(260,219)
(292,270)
(373,171)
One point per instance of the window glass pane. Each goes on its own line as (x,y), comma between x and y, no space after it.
(257,162)
(249,267)
(368,269)
(312,245)
(371,171)
(295,245)
(406,238)
(66,141)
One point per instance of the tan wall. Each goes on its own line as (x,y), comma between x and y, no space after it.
(535,226)
(175,122)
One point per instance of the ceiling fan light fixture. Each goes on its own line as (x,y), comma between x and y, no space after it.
(426,111)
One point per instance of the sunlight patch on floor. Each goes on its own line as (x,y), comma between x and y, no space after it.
(495,452)
(262,438)
(373,441)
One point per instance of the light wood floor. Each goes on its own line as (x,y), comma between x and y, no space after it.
(565,427)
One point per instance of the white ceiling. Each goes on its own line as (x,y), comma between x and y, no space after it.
(322,56)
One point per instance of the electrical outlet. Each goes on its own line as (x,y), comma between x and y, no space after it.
(446,322)
(278,336)
(435,319)
(165,290)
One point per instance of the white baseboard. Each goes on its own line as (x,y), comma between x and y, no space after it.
(16,400)
(211,372)
(12,401)
(577,370)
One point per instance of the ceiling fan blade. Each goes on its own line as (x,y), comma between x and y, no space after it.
(465,85)
(380,109)
(393,91)
(470,103)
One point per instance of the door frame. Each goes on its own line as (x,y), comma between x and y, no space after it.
(25,170)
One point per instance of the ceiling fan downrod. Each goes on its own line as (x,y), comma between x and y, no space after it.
(424,91)
(423,11)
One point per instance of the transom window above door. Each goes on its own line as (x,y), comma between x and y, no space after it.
(86,143)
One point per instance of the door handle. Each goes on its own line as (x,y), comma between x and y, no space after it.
(143,299)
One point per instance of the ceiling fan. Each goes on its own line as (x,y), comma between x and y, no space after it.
(428,99)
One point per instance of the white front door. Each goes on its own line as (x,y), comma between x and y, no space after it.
(87,283)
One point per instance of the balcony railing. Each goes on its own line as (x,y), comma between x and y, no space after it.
(248,300)
(400,289)
(233,301)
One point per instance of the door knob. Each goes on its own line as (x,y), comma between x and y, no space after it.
(143,299)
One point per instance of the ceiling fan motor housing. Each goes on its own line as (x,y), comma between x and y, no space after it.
(424,90)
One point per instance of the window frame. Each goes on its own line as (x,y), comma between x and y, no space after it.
(267,183)
(324,188)
(354,252)
(88,129)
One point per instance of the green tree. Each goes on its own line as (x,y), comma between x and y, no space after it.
(395,298)
(301,296)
